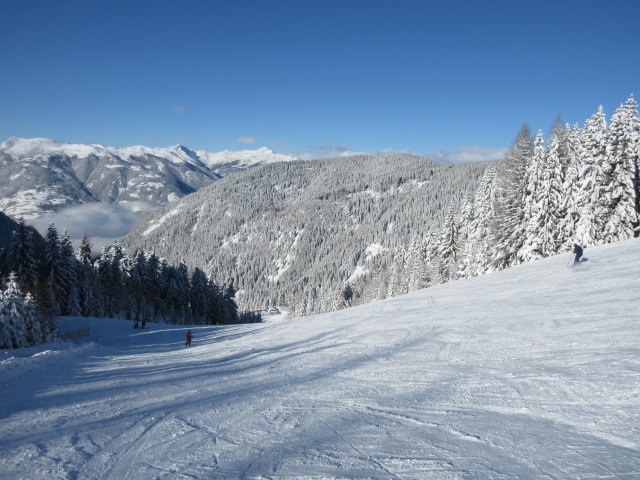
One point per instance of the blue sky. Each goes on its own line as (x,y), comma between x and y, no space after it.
(311,77)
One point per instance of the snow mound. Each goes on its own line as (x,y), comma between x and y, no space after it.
(526,373)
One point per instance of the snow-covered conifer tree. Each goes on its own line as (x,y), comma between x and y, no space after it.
(35,334)
(21,258)
(13,313)
(416,265)
(55,270)
(137,281)
(507,230)
(198,295)
(83,254)
(71,292)
(87,283)
(621,189)
(231,309)
(447,250)
(475,258)
(593,204)
(465,221)
(543,200)
(6,327)
(571,188)
(215,310)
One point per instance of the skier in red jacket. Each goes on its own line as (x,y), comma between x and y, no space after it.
(189,337)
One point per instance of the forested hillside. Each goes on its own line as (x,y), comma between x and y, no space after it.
(301,233)
(322,235)
(583,186)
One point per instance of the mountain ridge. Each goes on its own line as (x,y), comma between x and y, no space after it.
(43,175)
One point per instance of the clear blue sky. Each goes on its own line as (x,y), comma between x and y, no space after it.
(303,76)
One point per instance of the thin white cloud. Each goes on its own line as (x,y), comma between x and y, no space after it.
(327,150)
(467,154)
(178,109)
(102,222)
(247,139)
(471,154)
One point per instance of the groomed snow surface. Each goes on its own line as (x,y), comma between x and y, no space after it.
(531,373)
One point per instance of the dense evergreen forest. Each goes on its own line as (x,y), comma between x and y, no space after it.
(298,233)
(582,187)
(53,280)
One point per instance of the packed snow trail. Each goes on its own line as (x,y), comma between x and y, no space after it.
(530,373)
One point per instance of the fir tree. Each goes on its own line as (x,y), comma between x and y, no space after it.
(198,295)
(571,188)
(84,252)
(21,258)
(447,252)
(231,308)
(34,327)
(137,284)
(71,293)
(508,225)
(621,189)
(6,326)
(13,314)
(476,254)
(87,284)
(592,202)
(55,270)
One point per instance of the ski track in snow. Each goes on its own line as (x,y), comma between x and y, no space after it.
(531,373)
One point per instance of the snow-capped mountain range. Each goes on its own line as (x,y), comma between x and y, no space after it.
(42,175)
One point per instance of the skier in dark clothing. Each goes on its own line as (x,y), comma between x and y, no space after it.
(577,249)
(189,337)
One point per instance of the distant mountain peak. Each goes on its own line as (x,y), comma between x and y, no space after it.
(43,175)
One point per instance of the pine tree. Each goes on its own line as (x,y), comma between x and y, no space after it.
(13,313)
(34,327)
(571,188)
(416,265)
(475,258)
(447,252)
(594,207)
(6,326)
(543,200)
(154,286)
(86,281)
(55,272)
(621,189)
(120,267)
(21,258)
(84,252)
(198,295)
(231,308)
(104,273)
(465,225)
(215,309)
(137,284)
(73,301)
(507,229)
(71,291)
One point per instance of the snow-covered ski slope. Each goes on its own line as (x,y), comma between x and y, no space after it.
(530,373)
